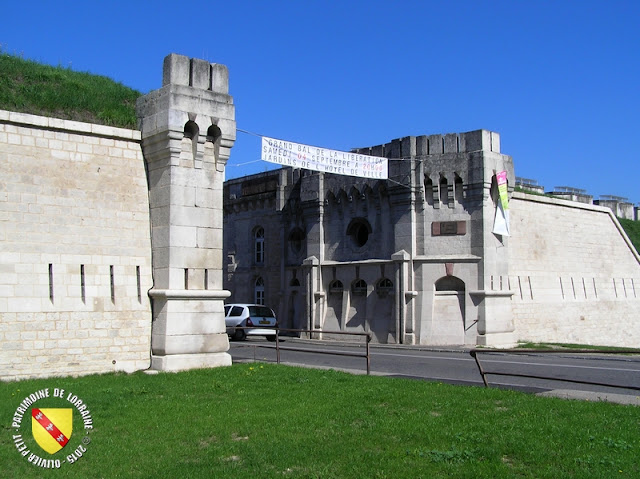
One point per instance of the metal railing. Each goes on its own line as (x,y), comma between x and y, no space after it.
(484,373)
(315,332)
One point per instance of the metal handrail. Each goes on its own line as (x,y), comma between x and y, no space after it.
(279,348)
(474,354)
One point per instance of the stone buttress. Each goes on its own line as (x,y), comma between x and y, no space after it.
(188,128)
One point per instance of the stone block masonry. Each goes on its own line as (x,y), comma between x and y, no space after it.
(575,274)
(75,248)
(187,130)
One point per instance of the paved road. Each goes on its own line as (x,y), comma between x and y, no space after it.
(455,365)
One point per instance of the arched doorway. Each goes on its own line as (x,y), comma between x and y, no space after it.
(448,312)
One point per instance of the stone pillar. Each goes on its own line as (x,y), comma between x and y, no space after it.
(404,298)
(188,128)
(493,296)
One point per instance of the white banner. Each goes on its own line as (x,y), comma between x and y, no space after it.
(501,222)
(286,153)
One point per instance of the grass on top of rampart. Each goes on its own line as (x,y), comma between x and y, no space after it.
(30,87)
(268,421)
(632,228)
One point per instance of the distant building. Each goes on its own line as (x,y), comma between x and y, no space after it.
(620,206)
(572,194)
(529,185)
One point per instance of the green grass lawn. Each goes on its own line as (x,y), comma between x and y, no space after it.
(263,421)
(31,87)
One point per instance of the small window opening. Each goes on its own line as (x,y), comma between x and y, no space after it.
(51,282)
(191,132)
(384,287)
(359,287)
(336,287)
(259,246)
(112,284)
(83,294)
(259,291)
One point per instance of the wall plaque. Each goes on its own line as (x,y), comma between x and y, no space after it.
(449,228)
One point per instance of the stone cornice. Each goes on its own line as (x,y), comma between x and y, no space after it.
(189,293)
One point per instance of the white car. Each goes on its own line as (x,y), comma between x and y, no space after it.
(244,320)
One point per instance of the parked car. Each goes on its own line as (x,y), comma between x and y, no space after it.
(244,320)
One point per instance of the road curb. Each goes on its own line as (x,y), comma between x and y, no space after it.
(592,396)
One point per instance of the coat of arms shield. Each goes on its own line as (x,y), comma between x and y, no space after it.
(52,427)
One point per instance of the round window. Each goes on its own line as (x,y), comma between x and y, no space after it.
(359,231)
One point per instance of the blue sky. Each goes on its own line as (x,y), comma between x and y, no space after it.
(559,80)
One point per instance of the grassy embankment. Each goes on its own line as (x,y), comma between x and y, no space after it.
(30,87)
(269,421)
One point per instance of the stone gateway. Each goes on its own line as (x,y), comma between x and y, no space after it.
(119,248)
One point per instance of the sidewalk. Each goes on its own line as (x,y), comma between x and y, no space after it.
(558,393)
(592,396)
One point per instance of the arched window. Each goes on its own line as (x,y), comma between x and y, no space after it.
(384,287)
(214,134)
(212,143)
(259,245)
(444,191)
(359,287)
(191,132)
(428,191)
(359,230)
(336,287)
(259,291)
(458,189)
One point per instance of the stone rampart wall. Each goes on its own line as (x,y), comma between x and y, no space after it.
(75,252)
(575,275)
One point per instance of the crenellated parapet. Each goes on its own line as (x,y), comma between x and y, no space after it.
(193,111)
(420,146)
(453,165)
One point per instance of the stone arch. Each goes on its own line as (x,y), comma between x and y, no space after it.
(212,142)
(458,189)
(444,190)
(450,283)
(333,320)
(448,319)
(382,320)
(336,287)
(330,199)
(359,287)
(354,195)
(428,190)
(190,137)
